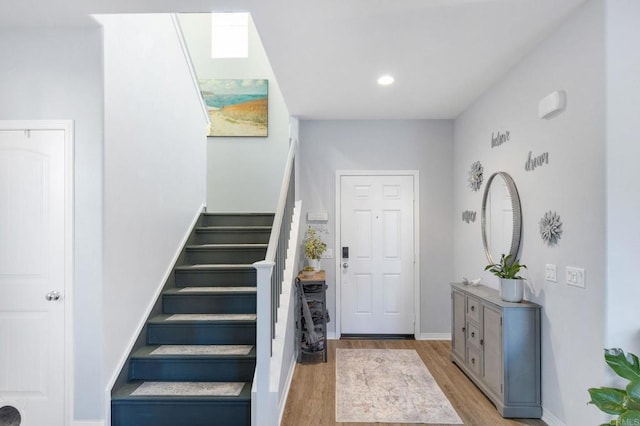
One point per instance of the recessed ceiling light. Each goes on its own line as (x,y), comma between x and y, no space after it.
(385,80)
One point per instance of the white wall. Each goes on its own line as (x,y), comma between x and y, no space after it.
(154,169)
(244,174)
(57,74)
(572,184)
(623,199)
(423,145)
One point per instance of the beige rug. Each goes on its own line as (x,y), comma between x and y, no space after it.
(388,386)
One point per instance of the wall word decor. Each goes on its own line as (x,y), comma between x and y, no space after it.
(538,161)
(475,176)
(551,228)
(468,216)
(498,138)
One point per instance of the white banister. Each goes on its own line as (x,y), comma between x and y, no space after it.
(264,269)
(282,200)
(270,276)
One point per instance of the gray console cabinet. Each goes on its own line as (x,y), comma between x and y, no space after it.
(497,345)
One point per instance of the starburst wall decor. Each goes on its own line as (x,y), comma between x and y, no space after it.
(475,176)
(551,228)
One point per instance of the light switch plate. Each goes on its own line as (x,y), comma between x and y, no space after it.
(550,273)
(576,277)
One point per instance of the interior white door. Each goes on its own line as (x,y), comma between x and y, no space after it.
(377,282)
(32,276)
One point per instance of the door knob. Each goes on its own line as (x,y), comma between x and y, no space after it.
(345,265)
(52,296)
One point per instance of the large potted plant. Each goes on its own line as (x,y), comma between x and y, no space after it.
(624,403)
(314,247)
(511,284)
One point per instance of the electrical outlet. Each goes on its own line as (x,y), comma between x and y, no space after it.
(328,254)
(550,273)
(576,277)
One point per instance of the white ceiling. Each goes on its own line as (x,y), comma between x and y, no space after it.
(327,55)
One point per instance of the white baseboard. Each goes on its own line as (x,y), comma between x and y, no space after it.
(550,419)
(287,386)
(434,336)
(88,423)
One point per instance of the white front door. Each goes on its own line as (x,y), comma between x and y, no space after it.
(32,276)
(377,279)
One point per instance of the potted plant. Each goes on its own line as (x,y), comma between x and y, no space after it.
(313,248)
(624,403)
(511,284)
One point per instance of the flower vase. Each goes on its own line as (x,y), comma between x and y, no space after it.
(511,290)
(314,263)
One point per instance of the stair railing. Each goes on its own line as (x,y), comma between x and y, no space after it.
(270,274)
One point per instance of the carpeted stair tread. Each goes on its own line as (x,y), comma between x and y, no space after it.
(225,246)
(127,391)
(202,318)
(199,351)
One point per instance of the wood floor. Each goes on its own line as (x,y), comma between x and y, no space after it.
(311,399)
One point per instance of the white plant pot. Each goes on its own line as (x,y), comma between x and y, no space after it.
(511,290)
(314,263)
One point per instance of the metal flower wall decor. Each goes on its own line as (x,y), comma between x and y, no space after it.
(551,228)
(475,176)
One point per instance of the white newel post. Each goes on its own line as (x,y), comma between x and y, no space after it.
(264,269)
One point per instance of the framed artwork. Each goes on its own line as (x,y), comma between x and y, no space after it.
(237,107)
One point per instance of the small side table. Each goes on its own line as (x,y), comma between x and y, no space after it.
(311,316)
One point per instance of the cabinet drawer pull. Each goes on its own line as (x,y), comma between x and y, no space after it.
(473,361)
(473,308)
(481,342)
(464,329)
(473,334)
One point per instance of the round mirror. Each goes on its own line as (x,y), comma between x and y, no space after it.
(501,217)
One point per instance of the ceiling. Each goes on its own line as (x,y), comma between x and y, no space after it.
(327,55)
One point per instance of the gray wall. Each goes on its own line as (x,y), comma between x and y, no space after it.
(154,170)
(241,166)
(572,184)
(623,197)
(423,145)
(57,74)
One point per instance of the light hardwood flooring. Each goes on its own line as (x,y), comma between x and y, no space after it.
(311,400)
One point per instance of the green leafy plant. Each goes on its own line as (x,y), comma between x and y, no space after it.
(313,244)
(625,403)
(506,268)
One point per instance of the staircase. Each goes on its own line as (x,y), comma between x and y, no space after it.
(199,358)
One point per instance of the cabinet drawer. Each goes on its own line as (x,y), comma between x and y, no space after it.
(473,359)
(473,309)
(473,336)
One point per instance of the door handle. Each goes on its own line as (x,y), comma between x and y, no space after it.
(345,265)
(52,296)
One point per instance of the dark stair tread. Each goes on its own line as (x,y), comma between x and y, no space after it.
(215,267)
(220,290)
(145,353)
(239,228)
(124,394)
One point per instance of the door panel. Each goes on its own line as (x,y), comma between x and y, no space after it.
(32,264)
(459,323)
(492,335)
(377,226)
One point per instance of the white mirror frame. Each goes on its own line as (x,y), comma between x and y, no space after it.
(517,217)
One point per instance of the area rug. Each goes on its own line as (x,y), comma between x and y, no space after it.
(388,386)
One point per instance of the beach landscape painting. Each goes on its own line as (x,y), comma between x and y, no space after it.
(237,107)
